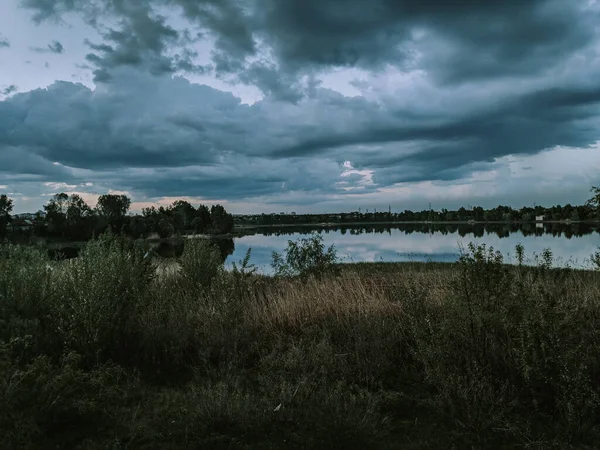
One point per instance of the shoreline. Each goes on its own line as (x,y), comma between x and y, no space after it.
(441,222)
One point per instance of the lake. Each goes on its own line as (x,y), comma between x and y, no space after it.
(570,244)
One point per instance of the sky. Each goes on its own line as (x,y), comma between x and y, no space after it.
(301,105)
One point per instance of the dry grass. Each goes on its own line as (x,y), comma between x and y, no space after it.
(296,304)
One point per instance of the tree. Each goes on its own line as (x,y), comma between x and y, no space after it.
(575,215)
(137,227)
(183,215)
(166,227)
(222,221)
(56,213)
(594,202)
(80,223)
(6,207)
(202,221)
(113,209)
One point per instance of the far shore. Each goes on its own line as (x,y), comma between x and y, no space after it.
(242,230)
(416,222)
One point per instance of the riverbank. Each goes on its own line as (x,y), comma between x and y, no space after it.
(400,223)
(56,244)
(411,355)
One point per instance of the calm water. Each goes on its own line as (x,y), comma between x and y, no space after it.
(571,245)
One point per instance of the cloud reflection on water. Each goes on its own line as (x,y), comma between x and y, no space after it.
(396,245)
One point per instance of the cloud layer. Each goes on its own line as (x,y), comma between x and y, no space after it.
(54,47)
(364,100)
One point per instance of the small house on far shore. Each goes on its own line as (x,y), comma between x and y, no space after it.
(539,218)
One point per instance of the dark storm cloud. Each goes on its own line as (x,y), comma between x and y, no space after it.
(141,38)
(229,186)
(272,82)
(70,124)
(9,90)
(141,41)
(229,180)
(463,40)
(230,23)
(149,122)
(54,47)
(183,61)
(22,162)
(460,41)
(500,78)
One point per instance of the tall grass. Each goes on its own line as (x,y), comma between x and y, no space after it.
(100,352)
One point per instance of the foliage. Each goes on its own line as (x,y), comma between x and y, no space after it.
(113,209)
(594,201)
(200,263)
(595,259)
(107,351)
(305,257)
(6,206)
(222,221)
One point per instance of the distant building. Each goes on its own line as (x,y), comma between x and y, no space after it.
(293,213)
(539,218)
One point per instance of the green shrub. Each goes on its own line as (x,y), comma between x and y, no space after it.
(99,295)
(305,257)
(513,339)
(200,263)
(595,259)
(61,405)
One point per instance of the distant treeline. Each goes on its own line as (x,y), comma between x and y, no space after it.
(502,230)
(588,212)
(70,217)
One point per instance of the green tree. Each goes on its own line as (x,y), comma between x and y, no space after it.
(113,208)
(575,215)
(594,202)
(166,227)
(151,217)
(56,213)
(6,207)
(79,218)
(183,215)
(137,227)
(204,221)
(222,221)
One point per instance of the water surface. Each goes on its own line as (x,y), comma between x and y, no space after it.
(570,244)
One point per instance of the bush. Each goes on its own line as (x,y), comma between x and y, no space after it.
(98,296)
(200,263)
(62,405)
(506,345)
(595,258)
(305,257)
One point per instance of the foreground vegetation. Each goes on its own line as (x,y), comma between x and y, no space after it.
(101,352)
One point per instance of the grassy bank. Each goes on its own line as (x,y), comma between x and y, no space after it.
(98,353)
